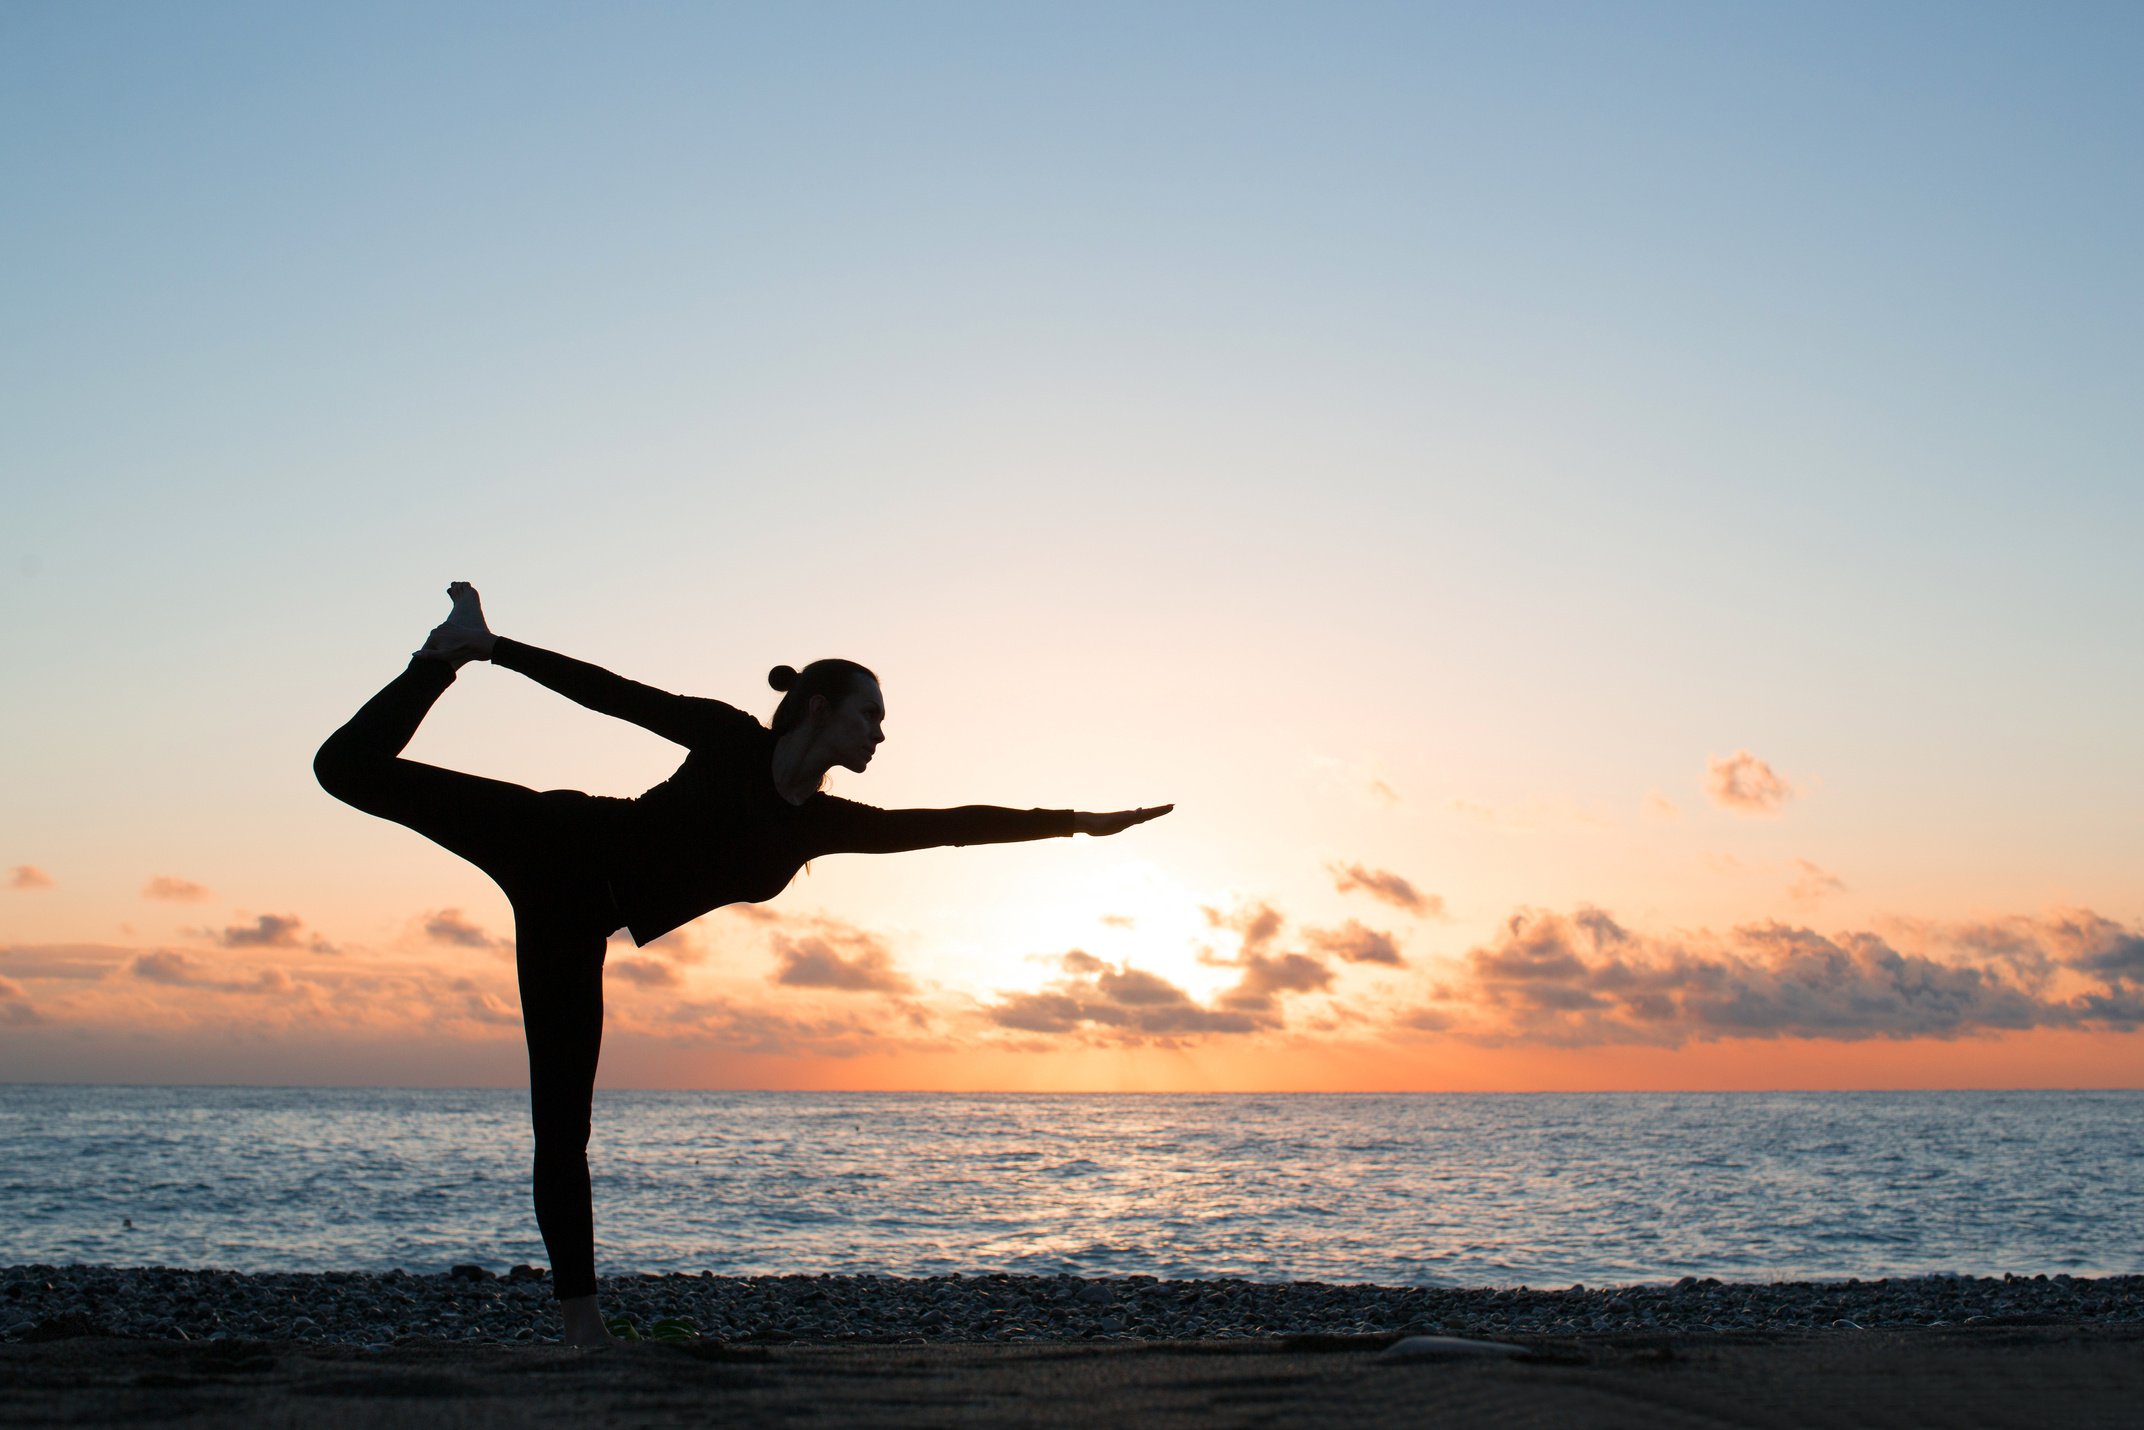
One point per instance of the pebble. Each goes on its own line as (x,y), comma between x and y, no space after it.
(366,1308)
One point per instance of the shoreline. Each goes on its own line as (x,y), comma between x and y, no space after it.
(472,1305)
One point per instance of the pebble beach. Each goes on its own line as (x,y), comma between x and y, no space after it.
(474,1304)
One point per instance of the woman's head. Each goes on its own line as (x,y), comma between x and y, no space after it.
(838,704)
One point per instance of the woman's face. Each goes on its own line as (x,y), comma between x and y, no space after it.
(856,727)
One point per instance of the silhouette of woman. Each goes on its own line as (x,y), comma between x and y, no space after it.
(734,824)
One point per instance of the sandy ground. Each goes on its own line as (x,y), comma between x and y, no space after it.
(1993,1376)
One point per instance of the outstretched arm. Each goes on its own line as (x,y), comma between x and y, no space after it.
(853,828)
(466,636)
(674,717)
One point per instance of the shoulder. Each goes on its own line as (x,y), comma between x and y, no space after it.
(832,809)
(716,722)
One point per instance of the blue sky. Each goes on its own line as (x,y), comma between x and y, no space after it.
(1524,401)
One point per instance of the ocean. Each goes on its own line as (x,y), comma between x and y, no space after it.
(1464,1189)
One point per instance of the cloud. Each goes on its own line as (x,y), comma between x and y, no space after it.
(75,962)
(29,876)
(1354,943)
(164,966)
(450,927)
(647,972)
(1813,882)
(1357,778)
(1746,784)
(680,945)
(1120,921)
(2075,939)
(1258,923)
(1660,806)
(479,1004)
(1266,978)
(179,970)
(754,913)
(1581,978)
(15,1008)
(1386,887)
(268,931)
(1125,1003)
(172,889)
(1120,1003)
(814,962)
(766,1032)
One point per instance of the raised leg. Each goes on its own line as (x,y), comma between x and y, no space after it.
(492,824)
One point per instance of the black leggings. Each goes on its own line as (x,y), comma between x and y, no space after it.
(536,847)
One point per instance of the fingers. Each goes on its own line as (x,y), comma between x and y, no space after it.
(1123,819)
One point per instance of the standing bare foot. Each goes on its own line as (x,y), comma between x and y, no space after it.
(462,636)
(582,1324)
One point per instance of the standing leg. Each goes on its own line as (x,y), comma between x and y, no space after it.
(563,914)
(559,957)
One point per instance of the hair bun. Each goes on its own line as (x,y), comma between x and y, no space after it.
(782,677)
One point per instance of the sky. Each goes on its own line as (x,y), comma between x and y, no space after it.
(1615,525)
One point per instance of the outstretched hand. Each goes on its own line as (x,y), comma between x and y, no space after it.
(1117,822)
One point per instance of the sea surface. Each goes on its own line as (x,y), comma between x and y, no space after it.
(1420,1189)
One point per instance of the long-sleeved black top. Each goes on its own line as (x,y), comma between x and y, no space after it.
(718,831)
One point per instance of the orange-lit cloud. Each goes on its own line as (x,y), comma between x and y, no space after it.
(268,931)
(814,962)
(1812,882)
(15,1006)
(1256,923)
(1582,978)
(684,945)
(72,962)
(646,972)
(1267,976)
(183,971)
(1745,784)
(481,1005)
(29,876)
(1120,1003)
(449,926)
(1353,942)
(1295,1000)
(754,1030)
(172,889)
(1385,886)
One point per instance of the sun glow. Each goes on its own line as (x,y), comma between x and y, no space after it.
(1131,913)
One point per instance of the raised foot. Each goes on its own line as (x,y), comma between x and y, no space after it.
(462,636)
(468,606)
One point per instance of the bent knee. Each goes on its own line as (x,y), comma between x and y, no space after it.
(335,768)
(349,771)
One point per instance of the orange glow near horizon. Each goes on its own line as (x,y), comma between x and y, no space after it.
(1620,590)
